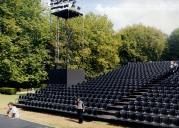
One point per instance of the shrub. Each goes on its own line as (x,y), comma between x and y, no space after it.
(43,86)
(9,91)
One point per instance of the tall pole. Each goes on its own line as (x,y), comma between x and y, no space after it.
(67,46)
(57,42)
(50,21)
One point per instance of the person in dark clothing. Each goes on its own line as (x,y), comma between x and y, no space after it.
(80,110)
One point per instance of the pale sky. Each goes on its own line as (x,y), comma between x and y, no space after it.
(162,14)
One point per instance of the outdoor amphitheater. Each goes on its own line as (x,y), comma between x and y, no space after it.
(67,67)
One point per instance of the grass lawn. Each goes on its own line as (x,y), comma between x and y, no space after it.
(50,120)
(5,99)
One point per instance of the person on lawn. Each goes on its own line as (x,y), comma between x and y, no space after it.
(12,111)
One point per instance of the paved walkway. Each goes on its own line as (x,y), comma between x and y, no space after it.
(6,122)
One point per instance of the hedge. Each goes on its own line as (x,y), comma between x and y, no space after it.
(9,91)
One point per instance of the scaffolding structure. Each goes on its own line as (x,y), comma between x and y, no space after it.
(65,9)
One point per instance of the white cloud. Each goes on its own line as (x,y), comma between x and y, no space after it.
(163,14)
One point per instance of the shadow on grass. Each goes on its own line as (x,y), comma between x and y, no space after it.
(72,120)
(118,125)
(76,120)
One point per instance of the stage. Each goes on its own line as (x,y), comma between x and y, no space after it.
(6,122)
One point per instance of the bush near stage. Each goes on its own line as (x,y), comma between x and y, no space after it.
(9,91)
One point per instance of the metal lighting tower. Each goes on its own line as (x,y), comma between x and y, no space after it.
(65,9)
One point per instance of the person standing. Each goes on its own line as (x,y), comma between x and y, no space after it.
(80,110)
(175,66)
(172,66)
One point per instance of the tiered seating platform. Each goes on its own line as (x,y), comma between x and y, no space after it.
(141,94)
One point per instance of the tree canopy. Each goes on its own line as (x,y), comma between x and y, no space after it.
(91,44)
(27,43)
(141,43)
(24,35)
(173,45)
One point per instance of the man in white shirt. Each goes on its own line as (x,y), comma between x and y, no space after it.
(173,66)
(12,112)
(80,109)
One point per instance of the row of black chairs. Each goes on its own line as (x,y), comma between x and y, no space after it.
(160,104)
(156,120)
(106,90)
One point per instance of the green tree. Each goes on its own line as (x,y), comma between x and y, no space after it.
(91,44)
(173,45)
(141,43)
(24,36)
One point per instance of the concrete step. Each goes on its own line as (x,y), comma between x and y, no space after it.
(115,107)
(122,103)
(108,117)
(138,93)
(127,99)
(133,96)
(109,112)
